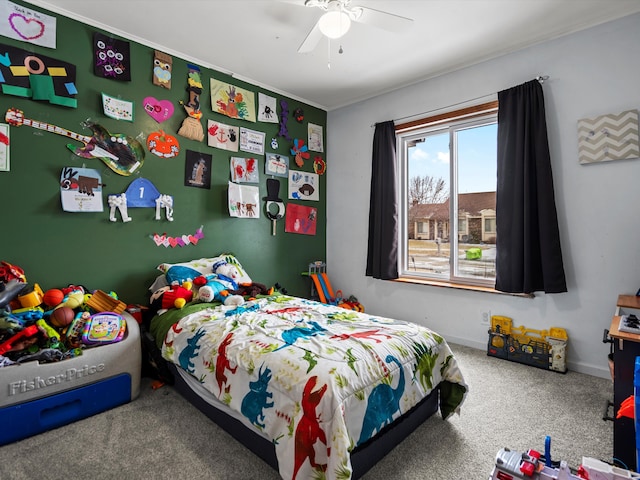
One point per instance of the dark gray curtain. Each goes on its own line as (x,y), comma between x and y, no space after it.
(529,257)
(382,255)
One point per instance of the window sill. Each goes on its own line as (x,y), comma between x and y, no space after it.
(459,286)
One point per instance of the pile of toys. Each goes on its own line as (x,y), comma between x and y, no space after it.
(56,324)
(533,465)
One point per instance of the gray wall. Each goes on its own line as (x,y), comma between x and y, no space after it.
(592,72)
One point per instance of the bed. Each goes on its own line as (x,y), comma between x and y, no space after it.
(315,390)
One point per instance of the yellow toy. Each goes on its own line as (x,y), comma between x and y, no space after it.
(540,348)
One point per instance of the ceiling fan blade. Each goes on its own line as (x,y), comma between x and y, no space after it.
(312,40)
(384,20)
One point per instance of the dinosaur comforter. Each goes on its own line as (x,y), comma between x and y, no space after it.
(315,379)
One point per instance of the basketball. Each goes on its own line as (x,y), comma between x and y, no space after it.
(61,317)
(53,297)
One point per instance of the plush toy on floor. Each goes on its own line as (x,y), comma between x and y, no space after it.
(210,289)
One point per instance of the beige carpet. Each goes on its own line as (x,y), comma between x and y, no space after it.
(161,436)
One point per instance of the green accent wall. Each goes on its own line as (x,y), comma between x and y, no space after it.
(58,248)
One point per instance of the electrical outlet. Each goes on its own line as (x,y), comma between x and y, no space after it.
(485,318)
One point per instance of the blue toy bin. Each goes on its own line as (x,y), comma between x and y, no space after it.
(36,397)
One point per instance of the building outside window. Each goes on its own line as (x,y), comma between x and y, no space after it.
(448,187)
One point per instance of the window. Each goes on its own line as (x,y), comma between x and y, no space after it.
(448,187)
(490,225)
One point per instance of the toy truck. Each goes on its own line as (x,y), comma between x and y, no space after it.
(539,348)
(511,465)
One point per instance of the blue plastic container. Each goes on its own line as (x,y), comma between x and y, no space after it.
(26,419)
(35,397)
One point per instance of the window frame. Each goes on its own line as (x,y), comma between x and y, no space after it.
(469,117)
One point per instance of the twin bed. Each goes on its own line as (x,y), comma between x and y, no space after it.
(315,390)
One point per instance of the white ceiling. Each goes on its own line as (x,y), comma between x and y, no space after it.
(257,40)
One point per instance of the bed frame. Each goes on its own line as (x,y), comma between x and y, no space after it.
(363,457)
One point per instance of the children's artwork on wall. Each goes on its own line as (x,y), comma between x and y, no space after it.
(159,110)
(303,186)
(315,141)
(252,141)
(243,201)
(191,127)
(30,75)
(27,25)
(232,101)
(162,144)
(141,193)
(5,164)
(81,190)
(267,108)
(608,137)
(111,58)
(300,219)
(222,136)
(274,206)
(121,153)
(117,108)
(162,67)
(319,165)
(118,203)
(276,164)
(178,241)
(197,170)
(244,170)
(284,118)
(300,152)
(298,115)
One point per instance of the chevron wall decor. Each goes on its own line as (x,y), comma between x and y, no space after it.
(608,137)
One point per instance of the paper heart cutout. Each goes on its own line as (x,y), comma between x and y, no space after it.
(173,242)
(193,240)
(159,110)
(186,240)
(26,28)
(199,235)
(159,239)
(179,241)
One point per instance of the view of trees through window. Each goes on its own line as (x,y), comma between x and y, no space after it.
(449,186)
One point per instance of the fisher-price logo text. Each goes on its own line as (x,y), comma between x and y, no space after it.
(69,375)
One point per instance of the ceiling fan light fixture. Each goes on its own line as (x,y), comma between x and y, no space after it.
(334,24)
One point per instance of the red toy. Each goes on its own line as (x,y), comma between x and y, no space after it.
(53,297)
(9,272)
(20,340)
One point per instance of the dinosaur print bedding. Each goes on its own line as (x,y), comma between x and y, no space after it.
(315,379)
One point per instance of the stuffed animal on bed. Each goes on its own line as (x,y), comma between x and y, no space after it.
(229,274)
(252,290)
(173,296)
(238,283)
(210,289)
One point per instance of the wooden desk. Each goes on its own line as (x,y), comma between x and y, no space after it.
(626,347)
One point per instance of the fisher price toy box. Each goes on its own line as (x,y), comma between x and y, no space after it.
(35,397)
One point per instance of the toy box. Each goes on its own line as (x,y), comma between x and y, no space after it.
(35,397)
(540,348)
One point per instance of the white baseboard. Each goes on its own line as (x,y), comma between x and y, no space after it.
(593,370)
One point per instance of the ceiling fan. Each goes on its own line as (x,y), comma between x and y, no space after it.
(339,14)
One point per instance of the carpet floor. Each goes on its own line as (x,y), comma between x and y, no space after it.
(161,436)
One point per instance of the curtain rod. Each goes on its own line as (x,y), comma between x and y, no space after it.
(539,78)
